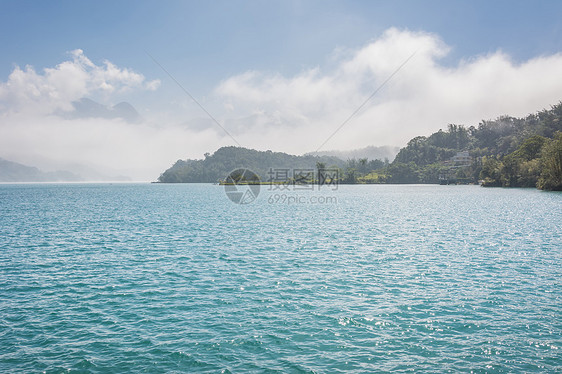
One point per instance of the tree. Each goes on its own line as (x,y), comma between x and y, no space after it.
(491,172)
(320,168)
(521,167)
(400,173)
(350,176)
(551,163)
(363,165)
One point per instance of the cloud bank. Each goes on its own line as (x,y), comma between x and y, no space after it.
(300,112)
(56,88)
(267,110)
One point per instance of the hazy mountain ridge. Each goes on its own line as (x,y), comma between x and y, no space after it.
(15,172)
(87,108)
(370,153)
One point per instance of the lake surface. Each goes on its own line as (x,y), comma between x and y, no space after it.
(177,278)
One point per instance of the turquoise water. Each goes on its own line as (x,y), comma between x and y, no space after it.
(176,278)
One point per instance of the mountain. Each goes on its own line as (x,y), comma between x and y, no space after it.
(370,153)
(126,111)
(14,172)
(506,152)
(86,108)
(217,166)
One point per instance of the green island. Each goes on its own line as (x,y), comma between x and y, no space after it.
(505,152)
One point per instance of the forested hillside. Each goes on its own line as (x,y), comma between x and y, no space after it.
(508,152)
(216,167)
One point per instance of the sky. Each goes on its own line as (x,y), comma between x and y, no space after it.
(290,76)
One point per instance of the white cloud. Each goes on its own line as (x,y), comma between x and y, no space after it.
(422,97)
(54,89)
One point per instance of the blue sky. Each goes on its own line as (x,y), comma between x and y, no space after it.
(248,62)
(202,42)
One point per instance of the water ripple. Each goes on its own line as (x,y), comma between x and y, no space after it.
(160,278)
